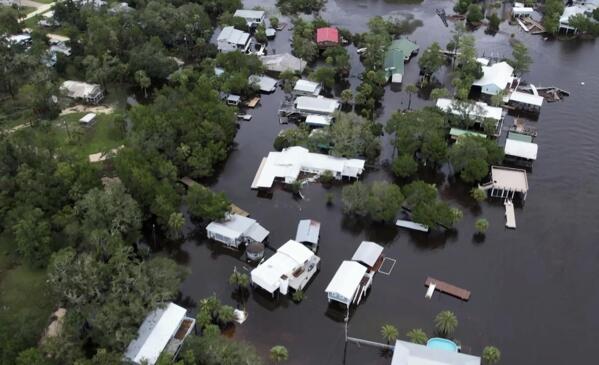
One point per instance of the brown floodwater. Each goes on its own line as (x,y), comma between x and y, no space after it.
(532,288)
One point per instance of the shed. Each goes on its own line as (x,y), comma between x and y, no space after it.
(161,328)
(345,285)
(307,88)
(88,119)
(271,32)
(308,231)
(265,83)
(521,149)
(326,37)
(233,99)
(368,253)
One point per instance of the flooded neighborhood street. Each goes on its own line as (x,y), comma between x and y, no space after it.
(532,290)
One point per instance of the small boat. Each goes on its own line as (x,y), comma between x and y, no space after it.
(244,116)
(411,225)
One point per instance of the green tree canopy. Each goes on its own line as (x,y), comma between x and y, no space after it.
(380,200)
(521,61)
(446,322)
(472,155)
(206,204)
(432,59)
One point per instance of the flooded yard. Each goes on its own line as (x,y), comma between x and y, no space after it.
(532,291)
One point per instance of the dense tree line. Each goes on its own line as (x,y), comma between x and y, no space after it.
(382,201)
(351,136)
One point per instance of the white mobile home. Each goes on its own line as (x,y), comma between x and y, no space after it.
(231,39)
(236,230)
(287,165)
(316,105)
(521,150)
(164,329)
(292,266)
(349,284)
(253,18)
(283,62)
(307,88)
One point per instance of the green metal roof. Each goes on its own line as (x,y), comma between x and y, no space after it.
(394,59)
(457,132)
(405,45)
(519,136)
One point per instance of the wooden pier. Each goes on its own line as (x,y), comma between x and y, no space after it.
(447,288)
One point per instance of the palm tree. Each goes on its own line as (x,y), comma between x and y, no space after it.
(279,353)
(446,322)
(389,333)
(411,89)
(143,80)
(239,279)
(491,355)
(176,221)
(347,96)
(226,314)
(481,225)
(417,335)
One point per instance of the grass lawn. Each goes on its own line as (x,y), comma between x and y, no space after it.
(103,136)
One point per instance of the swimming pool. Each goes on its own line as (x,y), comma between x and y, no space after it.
(442,344)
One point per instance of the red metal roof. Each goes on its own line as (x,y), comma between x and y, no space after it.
(327,35)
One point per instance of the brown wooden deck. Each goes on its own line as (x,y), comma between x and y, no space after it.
(448,288)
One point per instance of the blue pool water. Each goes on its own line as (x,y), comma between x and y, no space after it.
(442,344)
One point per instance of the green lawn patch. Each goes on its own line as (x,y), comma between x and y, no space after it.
(103,136)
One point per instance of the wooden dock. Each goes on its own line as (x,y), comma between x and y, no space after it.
(510,216)
(447,288)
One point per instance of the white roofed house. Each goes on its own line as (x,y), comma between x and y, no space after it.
(231,39)
(89,93)
(506,182)
(408,353)
(163,330)
(525,101)
(348,284)
(521,152)
(253,18)
(497,78)
(353,278)
(316,105)
(476,111)
(292,266)
(287,165)
(307,88)
(236,230)
(283,62)
(264,83)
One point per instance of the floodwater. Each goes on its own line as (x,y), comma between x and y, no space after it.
(532,288)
